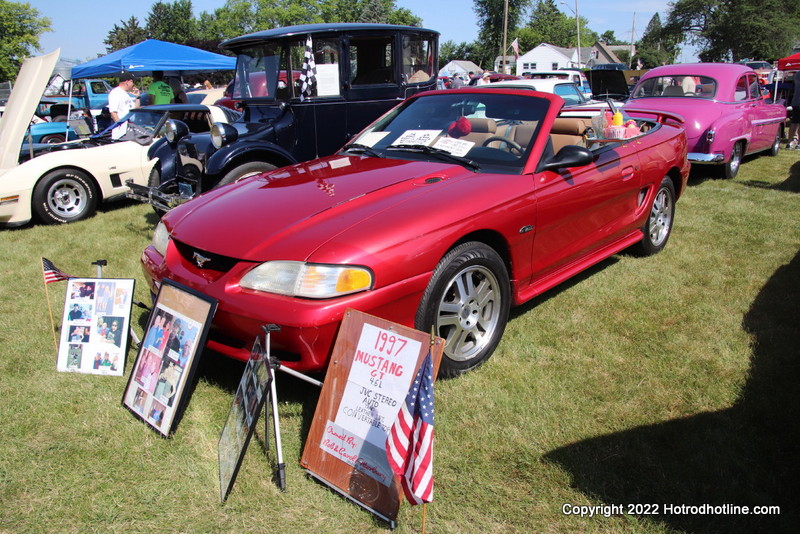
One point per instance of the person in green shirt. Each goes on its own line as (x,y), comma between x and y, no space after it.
(161,92)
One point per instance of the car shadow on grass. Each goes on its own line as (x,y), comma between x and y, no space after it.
(791,184)
(745,455)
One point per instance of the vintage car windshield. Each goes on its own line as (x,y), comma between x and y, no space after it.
(677,86)
(257,72)
(485,132)
(148,120)
(570,93)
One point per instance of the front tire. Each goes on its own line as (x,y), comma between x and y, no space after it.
(64,196)
(245,170)
(467,303)
(153,181)
(658,226)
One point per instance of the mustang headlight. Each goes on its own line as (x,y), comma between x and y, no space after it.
(223,134)
(308,280)
(160,238)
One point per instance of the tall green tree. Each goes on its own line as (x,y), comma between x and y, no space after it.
(124,36)
(490,18)
(450,50)
(656,47)
(725,30)
(20,27)
(173,22)
(549,25)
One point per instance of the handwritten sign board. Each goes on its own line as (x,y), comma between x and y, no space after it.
(371,369)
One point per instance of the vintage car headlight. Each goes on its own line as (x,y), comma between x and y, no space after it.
(310,280)
(223,134)
(160,238)
(174,130)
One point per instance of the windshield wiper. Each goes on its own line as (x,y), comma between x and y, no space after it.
(443,154)
(362,149)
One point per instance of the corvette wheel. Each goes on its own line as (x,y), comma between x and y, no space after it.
(64,196)
(658,226)
(467,303)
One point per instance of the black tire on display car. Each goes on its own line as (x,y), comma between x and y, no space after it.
(53,139)
(731,167)
(153,181)
(658,226)
(467,303)
(245,170)
(776,143)
(64,196)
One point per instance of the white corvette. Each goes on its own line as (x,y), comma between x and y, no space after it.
(66,183)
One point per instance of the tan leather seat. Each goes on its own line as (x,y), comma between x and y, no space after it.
(568,131)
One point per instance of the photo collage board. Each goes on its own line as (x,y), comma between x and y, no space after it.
(175,336)
(95,325)
(242,417)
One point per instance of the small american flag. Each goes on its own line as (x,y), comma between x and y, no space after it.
(308,72)
(52,273)
(409,446)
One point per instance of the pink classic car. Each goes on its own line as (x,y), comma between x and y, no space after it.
(726,116)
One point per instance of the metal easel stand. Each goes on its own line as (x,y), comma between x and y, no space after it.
(274,364)
(102,263)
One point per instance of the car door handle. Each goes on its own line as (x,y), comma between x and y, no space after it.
(628,172)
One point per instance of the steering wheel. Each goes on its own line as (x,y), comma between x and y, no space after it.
(511,146)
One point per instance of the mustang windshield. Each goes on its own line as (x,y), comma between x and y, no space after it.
(492,132)
(680,86)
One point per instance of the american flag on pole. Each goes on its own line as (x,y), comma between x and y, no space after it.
(52,273)
(515,46)
(308,72)
(409,446)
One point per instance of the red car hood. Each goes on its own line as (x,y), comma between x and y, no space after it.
(288,213)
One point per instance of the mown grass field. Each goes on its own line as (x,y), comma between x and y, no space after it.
(664,380)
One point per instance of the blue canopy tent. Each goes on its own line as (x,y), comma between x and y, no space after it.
(151,55)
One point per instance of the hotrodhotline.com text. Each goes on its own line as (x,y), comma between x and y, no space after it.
(608,510)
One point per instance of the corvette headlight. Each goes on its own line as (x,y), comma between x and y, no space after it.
(223,134)
(308,280)
(160,238)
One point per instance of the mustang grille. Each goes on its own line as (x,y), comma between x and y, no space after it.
(205,260)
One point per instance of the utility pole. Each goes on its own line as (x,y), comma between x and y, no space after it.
(633,32)
(578,20)
(505,38)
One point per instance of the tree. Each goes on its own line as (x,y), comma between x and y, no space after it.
(726,30)
(490,15)
(656,46)
(124,36)
(20,25)
(172,22)
(449,51)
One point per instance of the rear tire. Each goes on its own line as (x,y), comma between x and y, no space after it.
(467,303)
(64,196)
(776,144)
(735,161)
(53,139)
(243,171)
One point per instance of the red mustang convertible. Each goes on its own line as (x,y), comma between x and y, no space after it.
(442,214)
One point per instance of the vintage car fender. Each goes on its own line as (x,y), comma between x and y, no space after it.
(230,156)
(101,163)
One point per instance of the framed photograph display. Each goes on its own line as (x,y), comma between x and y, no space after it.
(94,329)
(168,355)
(242,417)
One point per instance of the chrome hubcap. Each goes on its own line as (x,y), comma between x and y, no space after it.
(67,197)
(468,312)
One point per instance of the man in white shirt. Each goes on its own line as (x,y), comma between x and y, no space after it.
(123,98)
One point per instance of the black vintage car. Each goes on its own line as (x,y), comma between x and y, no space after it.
(291,111)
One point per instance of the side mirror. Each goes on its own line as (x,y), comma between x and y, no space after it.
(569,156)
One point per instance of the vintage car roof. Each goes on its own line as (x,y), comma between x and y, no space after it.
(304,29)
(713,70)
(28,89)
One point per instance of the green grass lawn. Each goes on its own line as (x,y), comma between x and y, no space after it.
(669,380)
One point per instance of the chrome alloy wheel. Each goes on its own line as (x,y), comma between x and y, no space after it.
(469,312)
(660,223)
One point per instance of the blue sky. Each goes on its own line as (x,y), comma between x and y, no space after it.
(80,27)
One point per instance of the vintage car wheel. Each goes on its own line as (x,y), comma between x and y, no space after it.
(658,226)
(732,165)
(53,139)
(467,302)
(64,196)
(776,144)
(510,145)
(245,170)
(153,181)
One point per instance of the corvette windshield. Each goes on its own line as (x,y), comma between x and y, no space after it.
(487,132)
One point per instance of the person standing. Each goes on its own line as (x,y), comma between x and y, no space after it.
(123,98)
(794,121)
(161,92)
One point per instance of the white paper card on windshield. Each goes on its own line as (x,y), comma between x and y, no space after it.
(370,139)
(456,147)
(417,137)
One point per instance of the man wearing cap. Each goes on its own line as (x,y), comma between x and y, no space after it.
(123,98)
